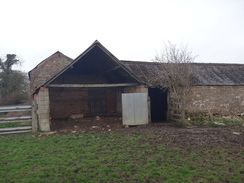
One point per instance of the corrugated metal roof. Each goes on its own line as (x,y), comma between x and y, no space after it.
(143,72)
(220,74)
(207,73)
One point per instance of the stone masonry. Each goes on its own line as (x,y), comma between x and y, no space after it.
(43,109)
(224,100)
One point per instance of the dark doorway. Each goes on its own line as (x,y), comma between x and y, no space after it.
(159,104)
(97,101)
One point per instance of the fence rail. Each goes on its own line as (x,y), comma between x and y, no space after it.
(176,109)
(23,121)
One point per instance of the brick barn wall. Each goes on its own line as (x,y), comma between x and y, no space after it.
(223,100)
(136,89)
(65,102)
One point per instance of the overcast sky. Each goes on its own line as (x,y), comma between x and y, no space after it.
(130,29)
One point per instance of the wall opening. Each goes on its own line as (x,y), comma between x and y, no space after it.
(65,102)
(98,102)
(159,104)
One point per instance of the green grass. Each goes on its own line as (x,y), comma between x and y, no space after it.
(113,157)
(217,121)
(12,124)
(3,115)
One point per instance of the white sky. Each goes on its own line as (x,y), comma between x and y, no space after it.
(130,29)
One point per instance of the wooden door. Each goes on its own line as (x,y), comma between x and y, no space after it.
(97,101)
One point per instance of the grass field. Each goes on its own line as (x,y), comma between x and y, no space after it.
(12,124)
(113,157)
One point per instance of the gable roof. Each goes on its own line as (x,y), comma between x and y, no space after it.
(211,74)
(47,69)
(96,48)
(141,72)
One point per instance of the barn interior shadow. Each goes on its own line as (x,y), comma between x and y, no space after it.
(159,104)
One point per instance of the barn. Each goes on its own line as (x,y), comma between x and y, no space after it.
(94,84)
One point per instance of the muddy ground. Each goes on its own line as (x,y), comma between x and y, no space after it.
(166,132)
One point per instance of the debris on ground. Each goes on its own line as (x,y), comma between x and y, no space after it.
(165,131)
(236,133)
(218,123)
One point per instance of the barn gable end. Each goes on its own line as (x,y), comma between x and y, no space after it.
(47,69)
(90,85)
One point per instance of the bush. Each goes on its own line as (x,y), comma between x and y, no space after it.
(15,98)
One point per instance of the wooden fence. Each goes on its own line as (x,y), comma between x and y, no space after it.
(14,119)
(176,109)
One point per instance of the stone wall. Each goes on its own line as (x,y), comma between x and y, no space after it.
(224,100)
(43,110)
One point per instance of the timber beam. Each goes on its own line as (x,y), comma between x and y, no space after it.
(90,85)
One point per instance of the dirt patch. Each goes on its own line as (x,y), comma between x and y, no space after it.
(165,132)
(97,124)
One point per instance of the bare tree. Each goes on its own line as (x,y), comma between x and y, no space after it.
(177,76)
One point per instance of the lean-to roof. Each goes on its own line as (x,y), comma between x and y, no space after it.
(207,73)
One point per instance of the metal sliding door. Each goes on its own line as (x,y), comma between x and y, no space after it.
(134,108)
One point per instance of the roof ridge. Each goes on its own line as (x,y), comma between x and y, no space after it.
(197,63)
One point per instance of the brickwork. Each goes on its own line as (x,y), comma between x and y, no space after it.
(226,100)
(47,69)
(43,109)
(136,89)
(65,102)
